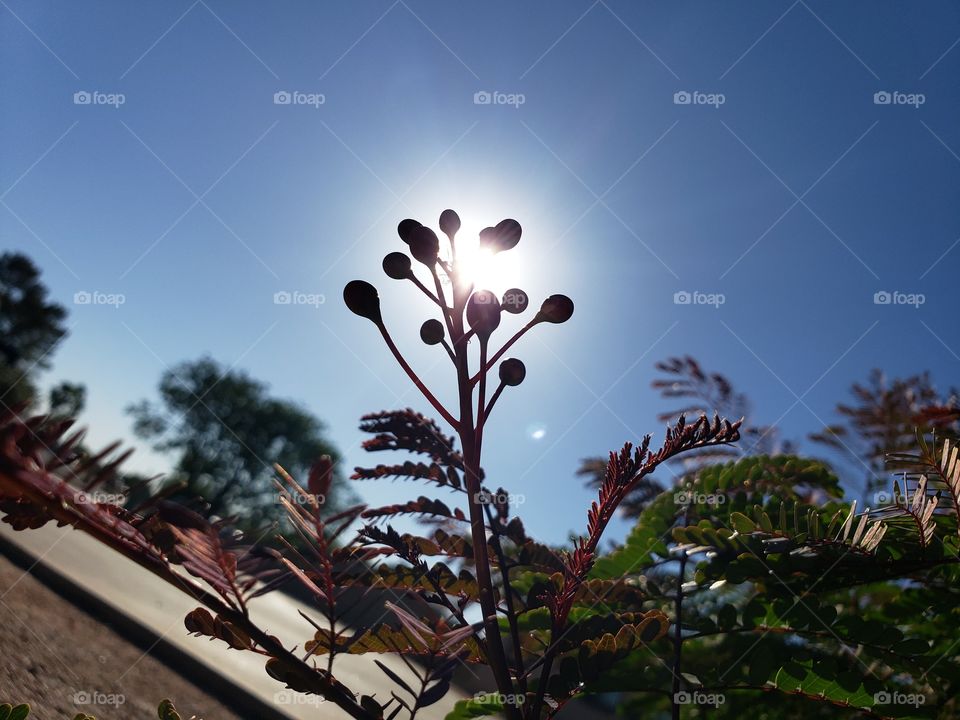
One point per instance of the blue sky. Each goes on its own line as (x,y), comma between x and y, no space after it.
(786,185)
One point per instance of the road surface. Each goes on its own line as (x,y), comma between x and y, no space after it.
(134,591)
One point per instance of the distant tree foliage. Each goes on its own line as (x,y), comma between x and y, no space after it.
(30,326)
(227,433)
(683,381)
(67,399)
(883,418)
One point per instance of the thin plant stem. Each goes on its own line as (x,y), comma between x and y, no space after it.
(493,401)
(481,394)
(415,378)
(485,367)
(426,291)
(678,638)
(511,612)
(471,465)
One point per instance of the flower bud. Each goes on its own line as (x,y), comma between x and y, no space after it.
(424,245)
(508,233)
(362,299)
(483,313)
(431,332)
(488,237)
(512,372)
(406,228)
(514,301)
(556,309)
(449,223)
(504,236)
(397,266)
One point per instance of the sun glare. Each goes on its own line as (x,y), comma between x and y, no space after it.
(485,269)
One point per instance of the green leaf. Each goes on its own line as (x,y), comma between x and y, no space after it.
(794,669)
(849,681)
(913,646)
(764,520)
(19,712)
(822,679)
(741,523)
(753,612)
(779,475)
(643,542)
(762,662)
(727,617)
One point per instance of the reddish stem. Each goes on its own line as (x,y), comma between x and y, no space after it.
(416,380)
(485,367)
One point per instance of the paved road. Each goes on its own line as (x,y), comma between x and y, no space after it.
(134,591)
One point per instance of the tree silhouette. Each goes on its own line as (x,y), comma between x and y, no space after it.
(228,432)
(30,327)
(67,399)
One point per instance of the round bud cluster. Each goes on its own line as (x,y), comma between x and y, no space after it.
(504,236)
(397,266)
(405,229)
(514,301)
(556,309)
(483,313)
(362,299)
(431,332)
(424,245)
(512,372)
(449,223)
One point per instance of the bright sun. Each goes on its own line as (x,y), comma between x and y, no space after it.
(487,270)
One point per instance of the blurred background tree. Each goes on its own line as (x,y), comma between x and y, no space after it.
(67,399)
(884,417)
(31,326)
(226,431)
